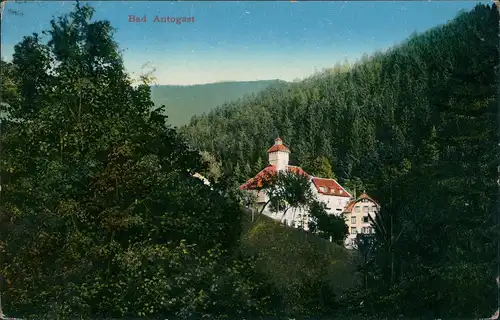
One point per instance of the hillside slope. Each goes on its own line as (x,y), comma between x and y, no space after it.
(182,102)
(416,128)
(295,261)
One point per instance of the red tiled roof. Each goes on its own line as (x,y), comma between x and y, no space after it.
(330,187)
(278,146)
(366,196)
(352,203)
(297,170)
(266,174)
(350,206)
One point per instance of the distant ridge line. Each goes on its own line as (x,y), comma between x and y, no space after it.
(220,82)
(182,102)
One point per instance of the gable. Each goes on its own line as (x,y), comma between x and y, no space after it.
(330,187)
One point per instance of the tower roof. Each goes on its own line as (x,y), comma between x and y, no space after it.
(278,146)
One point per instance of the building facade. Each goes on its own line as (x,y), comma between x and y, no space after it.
(337,199)
(357,213)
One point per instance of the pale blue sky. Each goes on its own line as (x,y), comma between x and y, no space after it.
(243,40)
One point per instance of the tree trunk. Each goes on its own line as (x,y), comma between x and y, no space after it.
(262,210)
(284,212)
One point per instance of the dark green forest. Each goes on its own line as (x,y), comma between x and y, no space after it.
(416,127)
(101,217)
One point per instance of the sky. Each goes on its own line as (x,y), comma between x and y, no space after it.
(242,40)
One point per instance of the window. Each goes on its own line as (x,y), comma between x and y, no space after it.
(353,220)
(365,219)
(370,230)
(357,209)
(353,230)
(365,209)
(364,230)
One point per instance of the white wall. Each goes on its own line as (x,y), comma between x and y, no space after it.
(335,203)
(300,215)
(279,159)
(358,223)
(292,215)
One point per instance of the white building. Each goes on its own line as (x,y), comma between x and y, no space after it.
(337,199)
(356,215)
(327,190)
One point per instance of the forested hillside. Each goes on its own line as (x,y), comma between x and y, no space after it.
(415,127)
(182,102)
(101,213)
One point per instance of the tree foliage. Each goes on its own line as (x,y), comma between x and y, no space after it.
(100,213)
(415,124)
(328,226)
(320,167)
(287,190)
